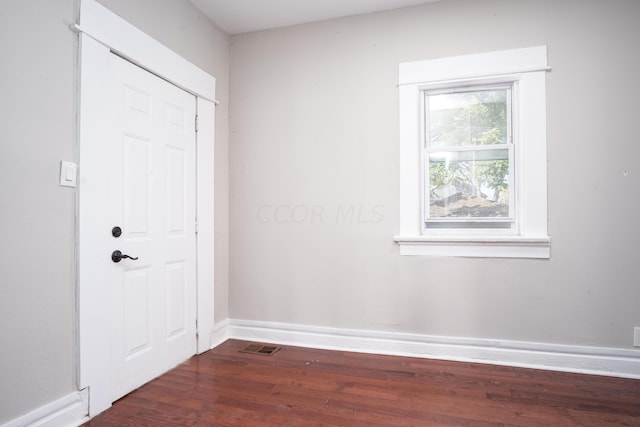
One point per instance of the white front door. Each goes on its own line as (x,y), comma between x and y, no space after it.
(152,210)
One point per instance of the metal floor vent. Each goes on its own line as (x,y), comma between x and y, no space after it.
(266,350)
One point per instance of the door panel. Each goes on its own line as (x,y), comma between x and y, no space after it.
(152,197)
(175,203)
(135,292)
(176,303)
(136,165)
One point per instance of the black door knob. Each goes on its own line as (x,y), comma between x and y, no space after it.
(116,231)
(116,256)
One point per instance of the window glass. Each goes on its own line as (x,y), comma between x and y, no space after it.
(468,164)
(469,184)
(469,118)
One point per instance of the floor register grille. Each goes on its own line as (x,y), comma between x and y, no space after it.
(265,350)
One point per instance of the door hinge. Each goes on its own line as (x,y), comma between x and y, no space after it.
(196,124)
(196,225)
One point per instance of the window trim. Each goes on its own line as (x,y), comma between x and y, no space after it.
(527,69)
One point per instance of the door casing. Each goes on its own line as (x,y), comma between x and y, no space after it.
(102,33)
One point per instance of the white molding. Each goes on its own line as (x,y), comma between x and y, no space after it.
(122,38)
(555,357)
(102,33)
(205,241)
(70,410)
(220,333)
(454,68)
(476,246)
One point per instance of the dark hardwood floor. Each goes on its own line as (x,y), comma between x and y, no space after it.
(306,387)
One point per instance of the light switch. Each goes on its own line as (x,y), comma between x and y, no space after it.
(68,174)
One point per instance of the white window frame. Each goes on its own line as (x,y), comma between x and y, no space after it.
(526,68)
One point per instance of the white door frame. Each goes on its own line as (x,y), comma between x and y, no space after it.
(101,34)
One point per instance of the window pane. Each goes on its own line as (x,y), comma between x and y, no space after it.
(468,118)
(469,184)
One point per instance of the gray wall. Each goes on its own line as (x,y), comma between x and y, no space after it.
(37,216)
(38,107)
(314,177)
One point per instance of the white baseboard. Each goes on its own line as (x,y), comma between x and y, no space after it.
(220,333)
(567,358)
(70,410)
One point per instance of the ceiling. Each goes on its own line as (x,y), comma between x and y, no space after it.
(242,16)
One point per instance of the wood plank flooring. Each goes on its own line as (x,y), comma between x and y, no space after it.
(308,387)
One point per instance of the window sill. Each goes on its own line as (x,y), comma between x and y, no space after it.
(472,246)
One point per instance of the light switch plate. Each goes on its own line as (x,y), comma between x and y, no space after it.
(68,174)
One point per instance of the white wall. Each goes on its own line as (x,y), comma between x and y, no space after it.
(314,177)
(38,106)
